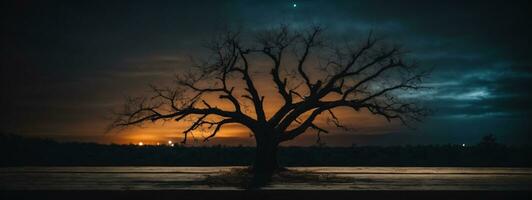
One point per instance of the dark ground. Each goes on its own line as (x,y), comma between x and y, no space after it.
(17,151)
(261,194)
(20,151)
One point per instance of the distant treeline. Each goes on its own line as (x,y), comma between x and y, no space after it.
(20,151)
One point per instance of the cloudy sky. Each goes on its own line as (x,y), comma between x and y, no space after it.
(65,65)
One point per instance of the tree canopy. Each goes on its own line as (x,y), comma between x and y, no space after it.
(312,75)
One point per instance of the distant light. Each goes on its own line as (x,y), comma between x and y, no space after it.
(294,5)
(169,142)
(171,145)
(463,145)
(141,144)
(158,144)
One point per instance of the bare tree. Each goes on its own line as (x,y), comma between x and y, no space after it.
(371,75)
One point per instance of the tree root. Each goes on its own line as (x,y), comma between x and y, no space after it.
(245,178)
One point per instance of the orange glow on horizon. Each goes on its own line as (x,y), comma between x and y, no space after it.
(361,123)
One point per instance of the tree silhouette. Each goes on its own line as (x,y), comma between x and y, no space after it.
(321,77)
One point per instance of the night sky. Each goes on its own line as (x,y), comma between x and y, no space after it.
(66,65)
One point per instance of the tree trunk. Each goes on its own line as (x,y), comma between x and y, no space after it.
(266,156)
(265,162)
